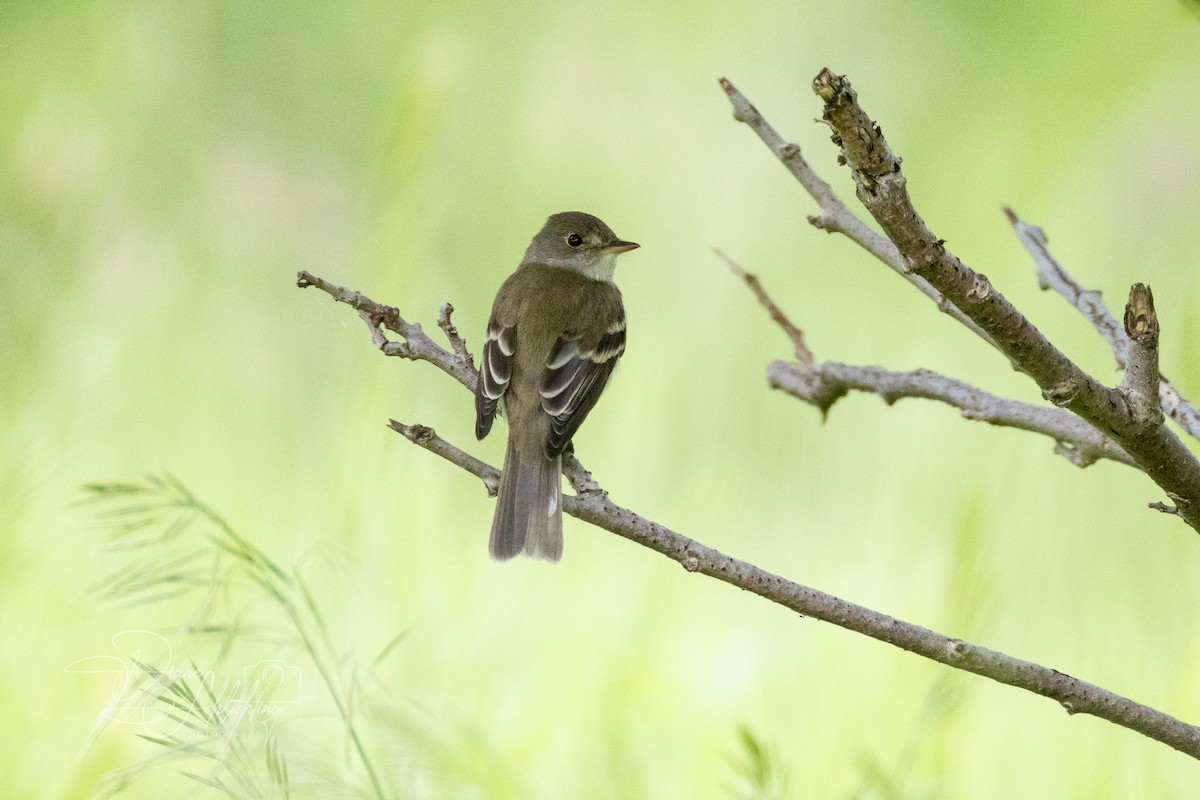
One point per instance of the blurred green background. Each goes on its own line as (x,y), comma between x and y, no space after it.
(167,167)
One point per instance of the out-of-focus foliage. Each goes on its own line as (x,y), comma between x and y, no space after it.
(166,167)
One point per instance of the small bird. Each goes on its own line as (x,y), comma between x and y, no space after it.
(556,331)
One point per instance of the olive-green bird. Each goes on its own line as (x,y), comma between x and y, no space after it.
(556,331)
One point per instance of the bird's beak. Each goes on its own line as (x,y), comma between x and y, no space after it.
(620,247)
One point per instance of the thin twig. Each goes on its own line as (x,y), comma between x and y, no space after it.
(452,336)
(1051,275)
(803,354)
(1089,303)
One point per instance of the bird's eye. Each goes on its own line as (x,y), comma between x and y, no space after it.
(574,240)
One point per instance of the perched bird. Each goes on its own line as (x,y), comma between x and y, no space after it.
(556,331)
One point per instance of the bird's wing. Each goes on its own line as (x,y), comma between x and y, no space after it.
(495,372)
(574,377)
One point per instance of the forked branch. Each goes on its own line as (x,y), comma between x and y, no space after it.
(1119,413)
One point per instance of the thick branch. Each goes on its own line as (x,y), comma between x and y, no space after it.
(882,188)
(592,504)
(1140,386)
(1051,275)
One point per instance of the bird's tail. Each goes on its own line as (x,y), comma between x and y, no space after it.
(528,508)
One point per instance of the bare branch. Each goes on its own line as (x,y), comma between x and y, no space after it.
(593,505)
(882,188)
(417,346)
(826,382)
(1088,302)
